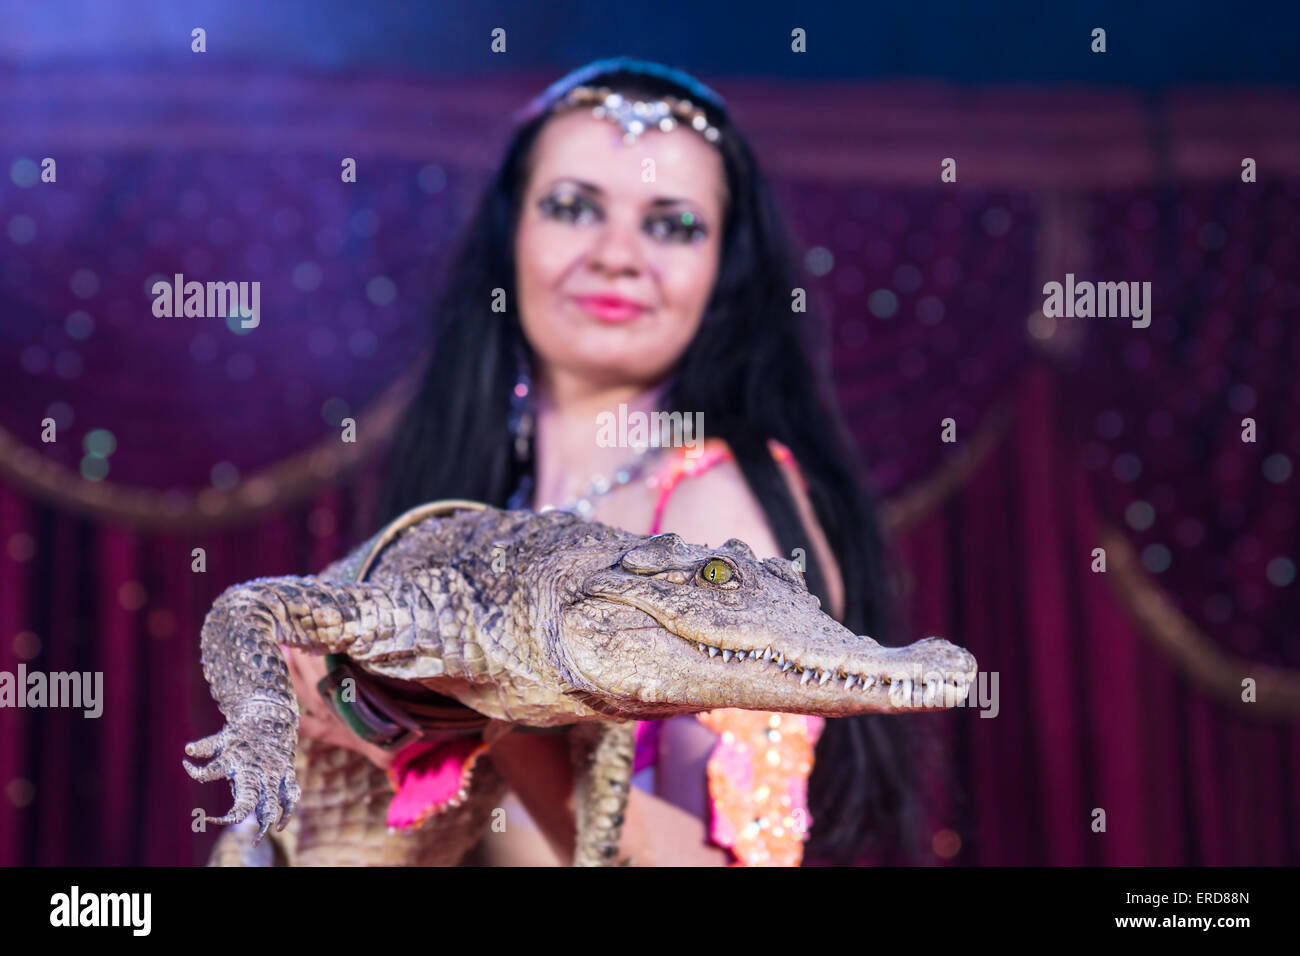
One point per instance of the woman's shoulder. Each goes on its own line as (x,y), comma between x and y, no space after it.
(705,498)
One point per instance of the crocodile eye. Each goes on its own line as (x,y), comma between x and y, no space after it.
(716,571)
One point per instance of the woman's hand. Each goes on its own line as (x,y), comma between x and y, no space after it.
(316,719)
(655,832)
(537,768)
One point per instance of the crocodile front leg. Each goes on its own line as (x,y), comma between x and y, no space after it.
(603,758)
(250,680)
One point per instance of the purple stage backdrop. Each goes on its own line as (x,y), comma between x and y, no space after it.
(1120,691)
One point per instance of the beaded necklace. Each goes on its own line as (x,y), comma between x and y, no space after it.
(521,423)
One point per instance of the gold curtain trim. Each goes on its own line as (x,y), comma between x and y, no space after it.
(277,485)
(294,478)
(1277,689)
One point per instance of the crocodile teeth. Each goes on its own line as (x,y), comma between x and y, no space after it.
(901,691)
(868,683)
(787,666)
(849,682)
(767,653)
(807,676)
(713,651)
(726,656)
(700,645)
(823,677)
(780,658)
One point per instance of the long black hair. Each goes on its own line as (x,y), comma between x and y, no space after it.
(750,366)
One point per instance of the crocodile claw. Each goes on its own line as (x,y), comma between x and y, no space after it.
(255,753)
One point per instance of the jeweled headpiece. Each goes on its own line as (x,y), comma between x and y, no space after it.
(634,117)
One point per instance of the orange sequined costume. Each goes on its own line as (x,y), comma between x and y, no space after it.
(758,769)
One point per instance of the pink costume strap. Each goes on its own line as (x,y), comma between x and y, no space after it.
(681,466)
(758,770)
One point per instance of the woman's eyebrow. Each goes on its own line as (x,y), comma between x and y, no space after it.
(580,183)
(657,202)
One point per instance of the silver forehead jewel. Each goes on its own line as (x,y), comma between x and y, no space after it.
(637,116)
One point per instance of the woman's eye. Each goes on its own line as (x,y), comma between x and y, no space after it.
(716,572)
(568,207)
(676,227)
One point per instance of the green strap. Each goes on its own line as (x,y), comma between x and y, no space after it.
(345,708)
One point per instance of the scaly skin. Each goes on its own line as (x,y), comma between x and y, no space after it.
(340,819)
(541,620)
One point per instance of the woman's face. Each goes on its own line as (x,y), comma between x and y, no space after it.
(617,255)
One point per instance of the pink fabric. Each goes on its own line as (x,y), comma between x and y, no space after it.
(427,775)
(647,744)
(752,777)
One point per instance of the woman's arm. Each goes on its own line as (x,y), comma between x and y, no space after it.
(538,770)
(655,833)
(316,718)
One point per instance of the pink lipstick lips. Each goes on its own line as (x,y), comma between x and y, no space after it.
(610,308)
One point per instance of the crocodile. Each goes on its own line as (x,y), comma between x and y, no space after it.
(514,620)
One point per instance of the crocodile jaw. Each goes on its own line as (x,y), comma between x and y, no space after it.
(641,664)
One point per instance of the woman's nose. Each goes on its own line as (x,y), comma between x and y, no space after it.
(617,249)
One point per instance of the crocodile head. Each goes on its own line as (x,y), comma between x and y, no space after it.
(724,629)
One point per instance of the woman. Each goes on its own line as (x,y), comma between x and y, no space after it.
(621,264)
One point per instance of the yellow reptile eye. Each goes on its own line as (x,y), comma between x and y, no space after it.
(716,571)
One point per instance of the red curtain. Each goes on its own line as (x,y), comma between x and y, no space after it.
(1117,691)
